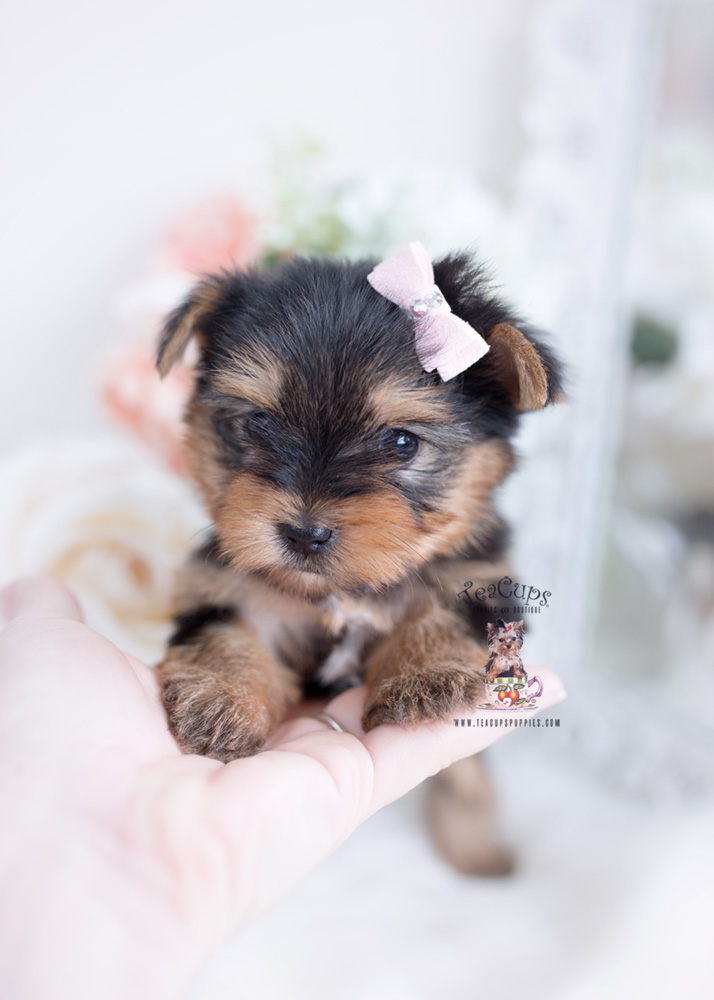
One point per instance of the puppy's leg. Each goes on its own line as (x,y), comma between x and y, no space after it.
(423,670)
(463,819)
(492,670)
(223,690)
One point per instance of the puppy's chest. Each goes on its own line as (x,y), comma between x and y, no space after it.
(511,658)
(326,642)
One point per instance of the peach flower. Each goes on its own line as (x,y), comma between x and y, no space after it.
(214,234)
(150,407)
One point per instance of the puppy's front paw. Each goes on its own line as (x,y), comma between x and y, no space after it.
(428,695)
(206,716)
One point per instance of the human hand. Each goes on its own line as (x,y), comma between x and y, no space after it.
(123,862)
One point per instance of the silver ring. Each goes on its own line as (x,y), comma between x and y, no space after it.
(324,717)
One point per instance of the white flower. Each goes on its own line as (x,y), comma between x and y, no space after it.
(443,209)
(99,514)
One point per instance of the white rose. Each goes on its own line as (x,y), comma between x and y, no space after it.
(99,514)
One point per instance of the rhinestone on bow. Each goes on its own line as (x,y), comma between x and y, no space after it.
(432,299)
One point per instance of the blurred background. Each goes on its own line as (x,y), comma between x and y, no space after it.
(571,145)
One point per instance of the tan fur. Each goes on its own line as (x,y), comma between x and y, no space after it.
(225,693)
(203,298)
(425,668)
(256,377)
(375,537)
(259,611)
(462,815)
(397,404)
(379,539)
(204,582)
(203,456)
(520,362)
(420,657)
(273,615)
(449,576)
(379,613)
(468,500)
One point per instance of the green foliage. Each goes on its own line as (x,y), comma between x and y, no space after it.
(653,342)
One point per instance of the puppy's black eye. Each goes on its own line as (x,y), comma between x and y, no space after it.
(400,442)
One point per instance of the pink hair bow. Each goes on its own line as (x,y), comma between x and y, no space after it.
(443,341)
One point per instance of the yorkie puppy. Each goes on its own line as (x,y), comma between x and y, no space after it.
(505,640)
(351,493)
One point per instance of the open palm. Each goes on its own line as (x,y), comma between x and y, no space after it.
(119,852)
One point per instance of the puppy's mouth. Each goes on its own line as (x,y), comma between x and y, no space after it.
(309,569)
(316,575)
(368,542)
(311,579)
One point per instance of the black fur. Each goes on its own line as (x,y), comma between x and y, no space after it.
(467,288)
(491,546)
(190,625)
(335,337)
(311,410)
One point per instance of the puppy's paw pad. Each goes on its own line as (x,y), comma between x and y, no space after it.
(405,700)
(205,720)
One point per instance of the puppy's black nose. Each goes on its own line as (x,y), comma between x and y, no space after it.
(305,541)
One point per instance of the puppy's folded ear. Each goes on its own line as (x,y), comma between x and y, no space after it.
(521,368)
(188,320)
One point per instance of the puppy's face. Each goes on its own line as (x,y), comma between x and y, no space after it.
(328,459)
(505,638)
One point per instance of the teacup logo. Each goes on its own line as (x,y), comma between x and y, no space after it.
(507,683)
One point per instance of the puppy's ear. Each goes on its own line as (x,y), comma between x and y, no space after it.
(188,320)
(519,367)
(492,630)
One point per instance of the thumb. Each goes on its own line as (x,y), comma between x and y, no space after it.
(41,597)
